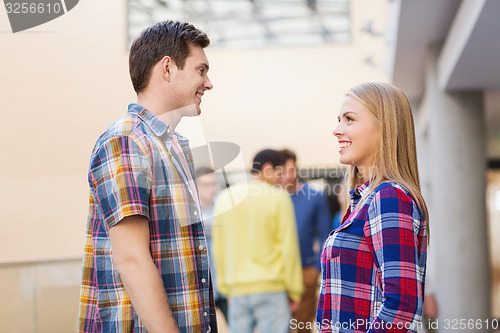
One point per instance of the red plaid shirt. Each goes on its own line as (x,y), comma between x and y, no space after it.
(373,265)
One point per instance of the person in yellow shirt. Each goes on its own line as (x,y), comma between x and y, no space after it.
(256,249)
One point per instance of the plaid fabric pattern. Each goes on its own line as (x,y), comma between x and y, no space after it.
(135,170)
(373,265)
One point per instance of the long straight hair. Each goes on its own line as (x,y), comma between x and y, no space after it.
(396,157)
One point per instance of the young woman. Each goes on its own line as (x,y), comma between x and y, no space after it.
(373,265)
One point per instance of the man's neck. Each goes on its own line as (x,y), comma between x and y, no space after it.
(206,205)
(294,188)
(158,109)
(260,177)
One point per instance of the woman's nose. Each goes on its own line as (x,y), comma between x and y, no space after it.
(337,131)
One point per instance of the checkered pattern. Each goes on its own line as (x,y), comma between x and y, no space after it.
(373,265)
(135,170)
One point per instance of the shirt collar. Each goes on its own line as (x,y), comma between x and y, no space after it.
(157,126)
(360,191)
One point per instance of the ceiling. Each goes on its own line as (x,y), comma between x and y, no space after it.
(250,23)
(419,24)
(468,34)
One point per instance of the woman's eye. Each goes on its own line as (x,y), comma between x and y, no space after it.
(349,118)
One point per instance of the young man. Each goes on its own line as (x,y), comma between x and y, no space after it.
(313,226)
(256,250)
(146,263)
(208,188)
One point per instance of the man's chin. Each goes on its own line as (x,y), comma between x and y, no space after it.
(191,110)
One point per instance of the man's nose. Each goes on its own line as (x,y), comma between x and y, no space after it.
(208,84)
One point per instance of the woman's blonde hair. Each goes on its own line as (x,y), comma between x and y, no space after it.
(396,157)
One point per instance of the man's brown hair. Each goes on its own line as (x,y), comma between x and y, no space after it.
(167,38)
(289,155)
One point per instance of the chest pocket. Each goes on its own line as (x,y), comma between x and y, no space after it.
(346,242)
(332,249)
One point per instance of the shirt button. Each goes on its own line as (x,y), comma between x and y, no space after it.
(205,314)
(195,213)
(203,280)
(200,247)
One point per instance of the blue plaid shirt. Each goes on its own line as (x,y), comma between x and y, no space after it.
(135,170)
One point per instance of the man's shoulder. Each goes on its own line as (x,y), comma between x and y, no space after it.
(309,193)
(253,190)
(129,126)
(124,126)
(240,188)
(274,195)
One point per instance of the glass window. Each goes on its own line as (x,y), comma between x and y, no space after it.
(250,23)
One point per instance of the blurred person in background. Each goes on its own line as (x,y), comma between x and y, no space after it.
(208,187)
(256,250)
(145,265)
(374,264)
(431,308)
(341,193)
(313,226)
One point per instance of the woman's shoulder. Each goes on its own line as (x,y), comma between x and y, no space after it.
(390,189)
(391,186)
(391,196)
(393,204)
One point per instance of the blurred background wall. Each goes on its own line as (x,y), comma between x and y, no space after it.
(446,57)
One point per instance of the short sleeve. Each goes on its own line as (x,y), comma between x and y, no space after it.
(120,179)
(323,222)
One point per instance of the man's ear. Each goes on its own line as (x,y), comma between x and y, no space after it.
(166,65)
(266,167)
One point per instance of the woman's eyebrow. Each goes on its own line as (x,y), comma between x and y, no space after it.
(346,113)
